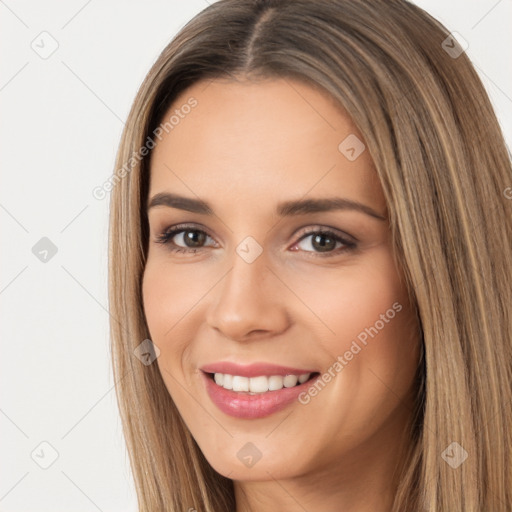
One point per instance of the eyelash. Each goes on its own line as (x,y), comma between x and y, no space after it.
(166,237)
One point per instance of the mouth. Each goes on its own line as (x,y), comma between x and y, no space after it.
(261,383)
(258,396)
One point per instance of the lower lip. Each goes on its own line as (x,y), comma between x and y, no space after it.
(244,405)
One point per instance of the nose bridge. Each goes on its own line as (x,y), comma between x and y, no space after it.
(246,297)
(244,277)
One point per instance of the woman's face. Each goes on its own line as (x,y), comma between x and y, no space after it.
(282,265)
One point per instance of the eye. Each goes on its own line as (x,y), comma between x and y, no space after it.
(183,238)
(318,241)
(324,242)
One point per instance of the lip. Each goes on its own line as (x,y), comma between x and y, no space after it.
(253,369)
(245,406)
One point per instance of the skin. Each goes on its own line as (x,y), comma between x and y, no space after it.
(245,147)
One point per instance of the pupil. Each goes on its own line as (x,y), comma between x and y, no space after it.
(323,246)
(194,237)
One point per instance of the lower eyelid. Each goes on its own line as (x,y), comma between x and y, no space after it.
(167,235)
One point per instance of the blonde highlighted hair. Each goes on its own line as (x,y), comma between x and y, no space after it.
(445,171)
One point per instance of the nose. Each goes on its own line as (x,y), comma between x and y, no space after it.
(248,303)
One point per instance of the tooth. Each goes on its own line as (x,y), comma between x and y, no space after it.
(275,382)
(240,383)
(227,381)
(258,384)
(304,377)
(290,381)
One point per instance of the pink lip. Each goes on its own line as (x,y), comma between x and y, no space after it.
(246,406)
(252,370)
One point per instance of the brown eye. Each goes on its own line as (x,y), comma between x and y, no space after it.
(194,238)
(183,238)
(324,243)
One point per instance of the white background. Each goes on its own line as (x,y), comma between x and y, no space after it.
(61,122)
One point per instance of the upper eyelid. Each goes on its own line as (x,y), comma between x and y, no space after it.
(302,232)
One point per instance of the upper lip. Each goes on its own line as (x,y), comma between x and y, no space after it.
(253,369)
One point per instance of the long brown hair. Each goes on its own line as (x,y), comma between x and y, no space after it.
(444,170)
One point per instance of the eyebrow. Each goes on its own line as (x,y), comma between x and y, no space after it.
(284,209)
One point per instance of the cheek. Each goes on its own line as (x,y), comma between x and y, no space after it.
(169,299)
(367,320)
(352,298)
(158,289)
(370,351)
(170,296)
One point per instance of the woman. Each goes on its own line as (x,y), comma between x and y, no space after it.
(310,266)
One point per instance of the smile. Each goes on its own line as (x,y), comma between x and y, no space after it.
(260,391)
(260,384)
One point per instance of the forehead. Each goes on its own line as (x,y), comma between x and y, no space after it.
(258,141)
